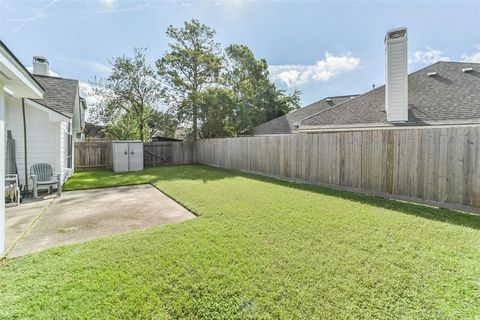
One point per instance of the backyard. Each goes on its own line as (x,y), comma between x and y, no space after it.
(260,248)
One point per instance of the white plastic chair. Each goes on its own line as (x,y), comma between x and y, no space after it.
(42,175)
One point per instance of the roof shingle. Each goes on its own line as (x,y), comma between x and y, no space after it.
(60,94)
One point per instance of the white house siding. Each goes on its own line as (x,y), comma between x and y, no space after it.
(76,120)
(45,138)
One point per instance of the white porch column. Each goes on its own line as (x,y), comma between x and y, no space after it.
(2,170)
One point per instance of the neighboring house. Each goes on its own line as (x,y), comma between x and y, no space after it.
(181,133)
(15,83)
(164,139)
(52,123)
(442,94)
(94,132)
(288,123)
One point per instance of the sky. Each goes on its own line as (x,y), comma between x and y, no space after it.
(322,48)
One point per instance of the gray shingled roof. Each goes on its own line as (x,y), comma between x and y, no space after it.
(286,123)
(60,94)
(451,96)
(94,131)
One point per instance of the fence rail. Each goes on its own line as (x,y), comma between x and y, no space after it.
(440,164)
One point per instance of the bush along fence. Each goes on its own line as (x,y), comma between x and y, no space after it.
(98,154)
(440,165)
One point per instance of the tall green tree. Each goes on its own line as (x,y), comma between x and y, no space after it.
(191,65)
(129,97)
(163,124)
(217,113)
(257,98)
(122,127)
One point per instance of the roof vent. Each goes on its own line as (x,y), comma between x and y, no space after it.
(467,70)
(431,74)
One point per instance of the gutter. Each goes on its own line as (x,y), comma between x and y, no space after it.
(21,66)
(314,129)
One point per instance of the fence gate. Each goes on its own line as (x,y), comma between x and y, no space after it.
(157,153)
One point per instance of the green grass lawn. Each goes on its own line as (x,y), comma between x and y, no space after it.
(261,249)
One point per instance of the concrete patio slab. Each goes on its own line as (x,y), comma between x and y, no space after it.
(83,215)
(20,218)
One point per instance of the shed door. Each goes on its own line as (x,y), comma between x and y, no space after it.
(120,157)
(136,156)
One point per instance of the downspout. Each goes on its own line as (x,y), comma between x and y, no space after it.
(25,146)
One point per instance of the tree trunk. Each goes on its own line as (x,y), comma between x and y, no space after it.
(141,131)
(195,127)
(142,123)
(195,113)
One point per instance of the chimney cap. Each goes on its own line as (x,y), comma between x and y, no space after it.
(40,59)
(396,33)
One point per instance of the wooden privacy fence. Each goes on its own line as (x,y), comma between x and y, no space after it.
(440,164)
(160,153)
(183,153)
(98,155)
(93,155)
(157,153)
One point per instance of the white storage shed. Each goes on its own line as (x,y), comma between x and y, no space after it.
(127,156)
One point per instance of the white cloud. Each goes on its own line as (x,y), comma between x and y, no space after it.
(472,57)
(92,65)
(86,91)
(428,56)
(112,9)
(108,3)
(295,75)
(97,66)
